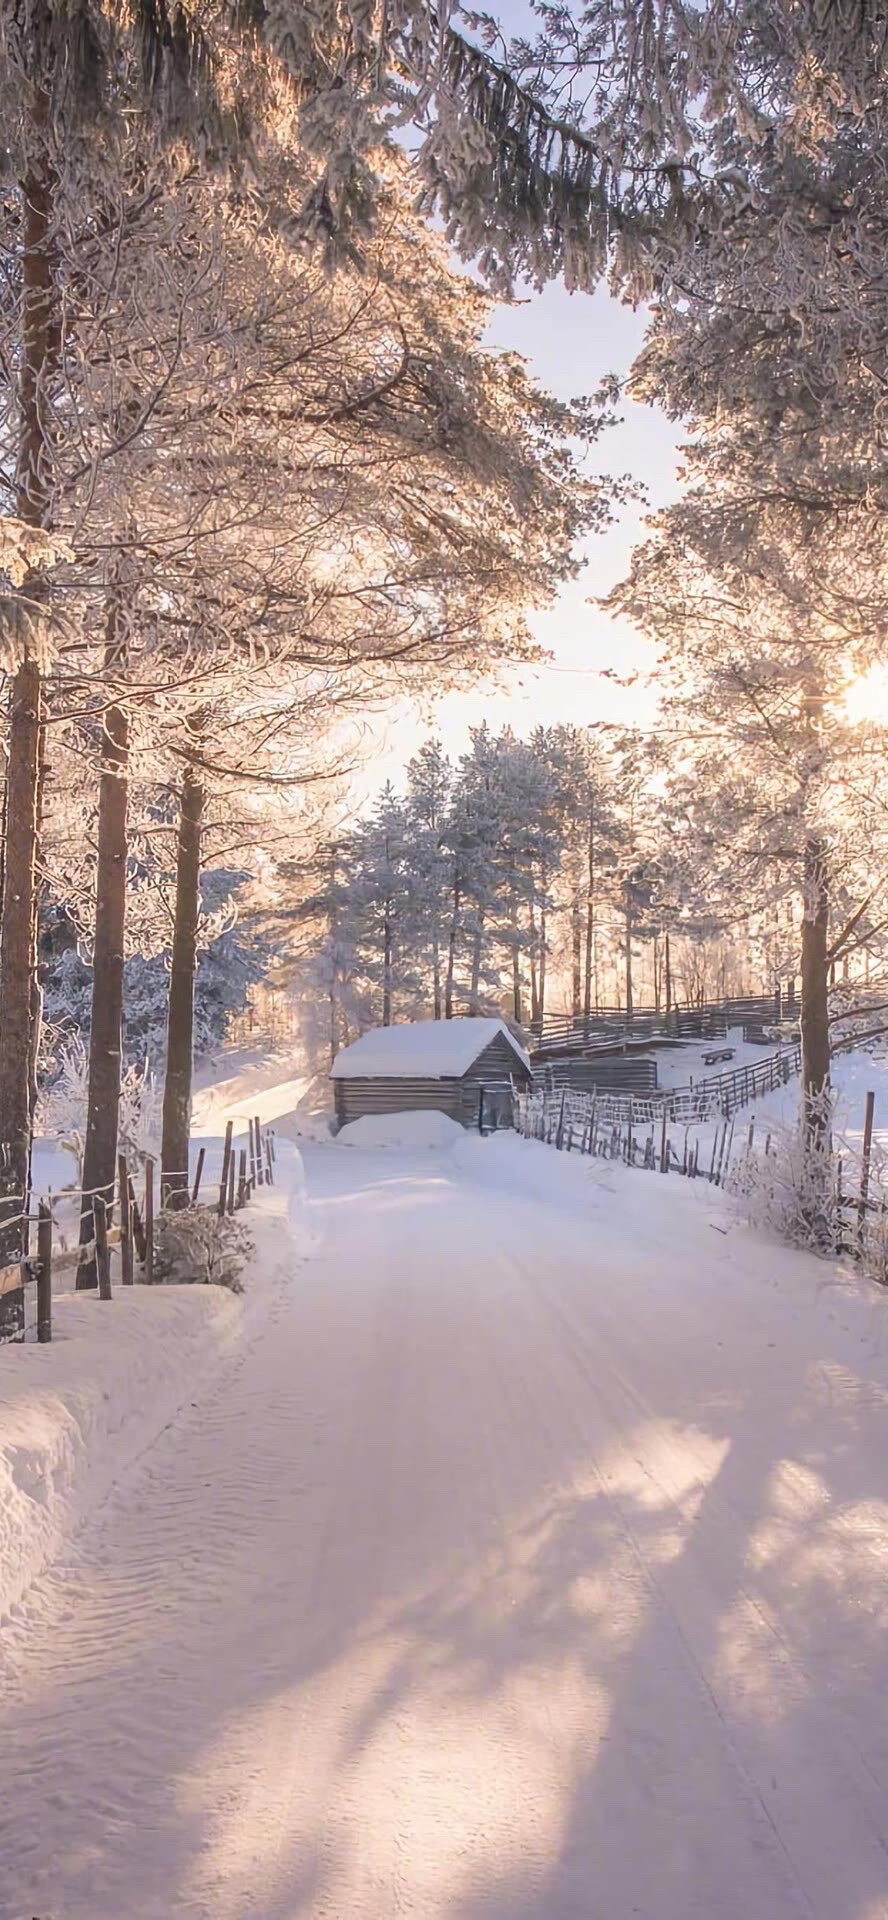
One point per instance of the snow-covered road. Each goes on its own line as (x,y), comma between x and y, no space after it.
(531,1565)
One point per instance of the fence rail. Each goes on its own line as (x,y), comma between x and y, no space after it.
(722,1094)
(707,1021)
(241,1169)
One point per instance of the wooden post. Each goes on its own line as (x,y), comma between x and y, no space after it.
(242,1177)
(103,1255)
(126,1222)
(226,1161)
(231,1174)
(664,1161)
(271,1146)
(269,1176)
(136,1222)
(865,1168)
(44,1273)
(252,1156)
(260,1176)
(559,1132)
(200,1167)
(149,1221)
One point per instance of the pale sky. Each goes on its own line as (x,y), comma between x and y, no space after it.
(569,341)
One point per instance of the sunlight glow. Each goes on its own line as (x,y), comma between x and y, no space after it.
(867,697)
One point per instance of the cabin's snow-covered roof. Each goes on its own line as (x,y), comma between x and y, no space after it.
(421,1050)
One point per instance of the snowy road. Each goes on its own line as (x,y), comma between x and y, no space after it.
(531,1565)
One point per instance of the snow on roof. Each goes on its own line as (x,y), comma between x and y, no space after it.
(421,1049)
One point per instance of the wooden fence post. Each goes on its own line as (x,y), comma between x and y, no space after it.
(242,1178)
(226,1162)
(865,1168)
(126,1222)
(260,1176)
(664,1164)
(198,1171)
(232,1170)
(44,1273)
(103,1255)
(269,1176)
(252,1156)
(136,1219)
(149,1221)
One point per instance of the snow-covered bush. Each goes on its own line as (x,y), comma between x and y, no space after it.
(61,1113)
(790,1188)
(808,1191)
(194,1247)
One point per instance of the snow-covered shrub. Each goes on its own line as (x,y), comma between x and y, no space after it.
(61,1109)
(790,1188)
(807,1190)
(194,1247)
(61,1113)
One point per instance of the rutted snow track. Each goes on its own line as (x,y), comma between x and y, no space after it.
(532,1566)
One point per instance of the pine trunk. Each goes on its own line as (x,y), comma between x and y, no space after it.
(516,963)
(590,916)
(475,981)
(629,998)
(19,998)
(180,1019)
(542,971)
(534,977)
(667,965)
(106,1020)
(576,954)
(436,970)
(451,951)
(815,992)
(387,946)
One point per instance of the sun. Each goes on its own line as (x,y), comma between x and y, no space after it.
(867,697)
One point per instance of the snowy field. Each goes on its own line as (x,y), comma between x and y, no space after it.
(524,1558)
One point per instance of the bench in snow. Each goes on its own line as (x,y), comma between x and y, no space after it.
(719,1053)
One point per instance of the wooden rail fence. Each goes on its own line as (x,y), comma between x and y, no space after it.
(134,1232)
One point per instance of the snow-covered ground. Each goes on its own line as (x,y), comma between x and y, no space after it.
(529,1563)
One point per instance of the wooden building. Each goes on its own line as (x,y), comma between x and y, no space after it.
(438,1065)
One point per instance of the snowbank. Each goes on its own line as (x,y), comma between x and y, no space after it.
(76,1414)
(405,1130)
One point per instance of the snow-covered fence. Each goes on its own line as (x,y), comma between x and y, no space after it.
(136,1233)
(719,1095)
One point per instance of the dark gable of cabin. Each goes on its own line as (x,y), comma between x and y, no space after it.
(494,1069)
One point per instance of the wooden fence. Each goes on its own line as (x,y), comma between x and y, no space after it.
(241,1169)
(853,1211)
(720,1094)
(709,1021)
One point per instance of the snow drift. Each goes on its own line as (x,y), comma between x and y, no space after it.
(76,1414)
(428,1129)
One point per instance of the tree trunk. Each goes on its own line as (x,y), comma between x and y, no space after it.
(516,962)
(590,914)
(657,974)
(475,981)
(628,907)
(576,959)
(534,978)
(436,969)
(106,1020)
(180,1018)
(667,966)
(815,992)
(18,957)
(542,967)
(451,951)
(387,946)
